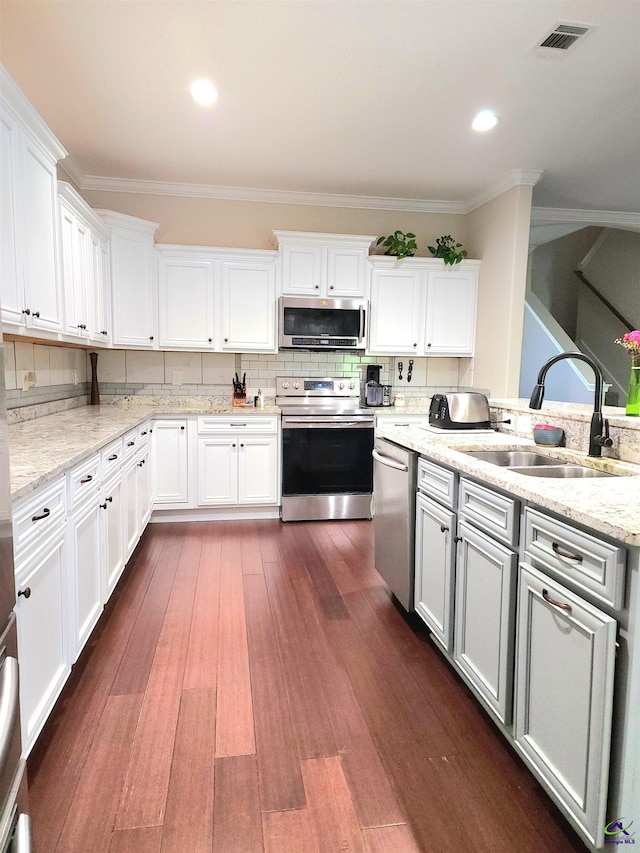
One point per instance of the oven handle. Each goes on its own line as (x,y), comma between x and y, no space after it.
(8,704)
(361,330)
(389,462)
(308,422)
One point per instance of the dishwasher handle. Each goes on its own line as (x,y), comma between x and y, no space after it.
(389,462)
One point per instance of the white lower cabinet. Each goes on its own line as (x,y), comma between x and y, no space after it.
(130,515)
(171,451)
(85,574)
(112,506)
(237,470)
(564,695)
(144,504)
(484,607)
(41,613)
(435,567)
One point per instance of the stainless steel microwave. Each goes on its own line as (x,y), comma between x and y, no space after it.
(319,324)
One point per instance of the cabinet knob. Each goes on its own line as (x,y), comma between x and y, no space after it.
(233,445)
(457,538)
(317,287)
(26,311)
(181,427)
(331,287)
(104,332)
(150,337)
(210,340)
(241,444)
(103,506)
(427,345)
(36,313)
(415,345)
(443,528)
(226,340)
(26,592)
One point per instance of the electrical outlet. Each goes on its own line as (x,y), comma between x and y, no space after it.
(176,377)
(28,379)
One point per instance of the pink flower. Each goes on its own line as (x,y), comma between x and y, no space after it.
(631,342)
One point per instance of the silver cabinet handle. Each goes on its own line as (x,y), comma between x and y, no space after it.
(568,556)
(389,462)
(558,604)
(8,705)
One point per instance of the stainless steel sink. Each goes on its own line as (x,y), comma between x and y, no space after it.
(511,458)
(537,464)
(562,471)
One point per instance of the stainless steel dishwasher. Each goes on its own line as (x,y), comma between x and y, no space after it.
(394,521)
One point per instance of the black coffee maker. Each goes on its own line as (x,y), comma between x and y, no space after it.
(372,393)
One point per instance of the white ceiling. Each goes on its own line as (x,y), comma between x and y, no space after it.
(333,96)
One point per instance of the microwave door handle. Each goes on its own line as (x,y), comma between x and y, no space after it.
(361,329)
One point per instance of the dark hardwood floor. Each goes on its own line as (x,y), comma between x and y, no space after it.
(252,687)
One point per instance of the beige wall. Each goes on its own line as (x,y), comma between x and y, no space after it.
(248,225)
(498,234)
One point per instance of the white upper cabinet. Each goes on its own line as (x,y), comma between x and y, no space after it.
(185,298)
(421,307)
(133,280)
(315,264)
(83,268)
(217,299)
(249,305)
(28,226)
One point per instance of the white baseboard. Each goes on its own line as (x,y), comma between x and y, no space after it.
(237,513)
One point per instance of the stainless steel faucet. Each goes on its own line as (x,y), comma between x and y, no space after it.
(597,437)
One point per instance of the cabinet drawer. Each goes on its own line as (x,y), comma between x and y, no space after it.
(130,442)
(144,431)
(251,424)
(38,514)
(438,482)
(111,458)
(588,563)
(492,512)
(83,480)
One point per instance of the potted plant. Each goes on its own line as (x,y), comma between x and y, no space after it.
(447,249)
(399,244)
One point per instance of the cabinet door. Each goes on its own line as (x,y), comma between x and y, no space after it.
(69,278)
(394,325)
(42,636)
(346,272)
(451,312)
(485,611)
(99,287)
(11,273)
(564,695)
(113,535)
(217,471)
(258,470)
(170,450)
(248,306)
(85,562)
(133,291)
(143,492)
(130,498)
(435,572)
(302,270)
(186,315)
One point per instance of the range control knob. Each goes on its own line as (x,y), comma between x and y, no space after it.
(341,385)
(296,385)
(285,384)
(352,385)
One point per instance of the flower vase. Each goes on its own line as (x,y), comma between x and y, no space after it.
(633,397)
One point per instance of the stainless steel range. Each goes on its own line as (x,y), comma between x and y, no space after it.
(327,440)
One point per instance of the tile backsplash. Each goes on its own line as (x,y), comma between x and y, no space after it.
(38,373)
(196,374)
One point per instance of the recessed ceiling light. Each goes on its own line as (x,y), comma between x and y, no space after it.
(203,92)
(485,120)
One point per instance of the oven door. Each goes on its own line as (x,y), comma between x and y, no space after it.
(327,468)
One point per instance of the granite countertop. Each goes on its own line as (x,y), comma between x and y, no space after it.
(43,448)
(609,505)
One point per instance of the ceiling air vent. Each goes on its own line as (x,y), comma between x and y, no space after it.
(561,38)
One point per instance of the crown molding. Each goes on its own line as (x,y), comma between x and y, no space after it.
(72,171)
(606,218)
(19,106)
(515,178)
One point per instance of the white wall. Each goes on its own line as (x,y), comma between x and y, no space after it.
(498,233)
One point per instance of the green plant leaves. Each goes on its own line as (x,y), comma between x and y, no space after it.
(445,248)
